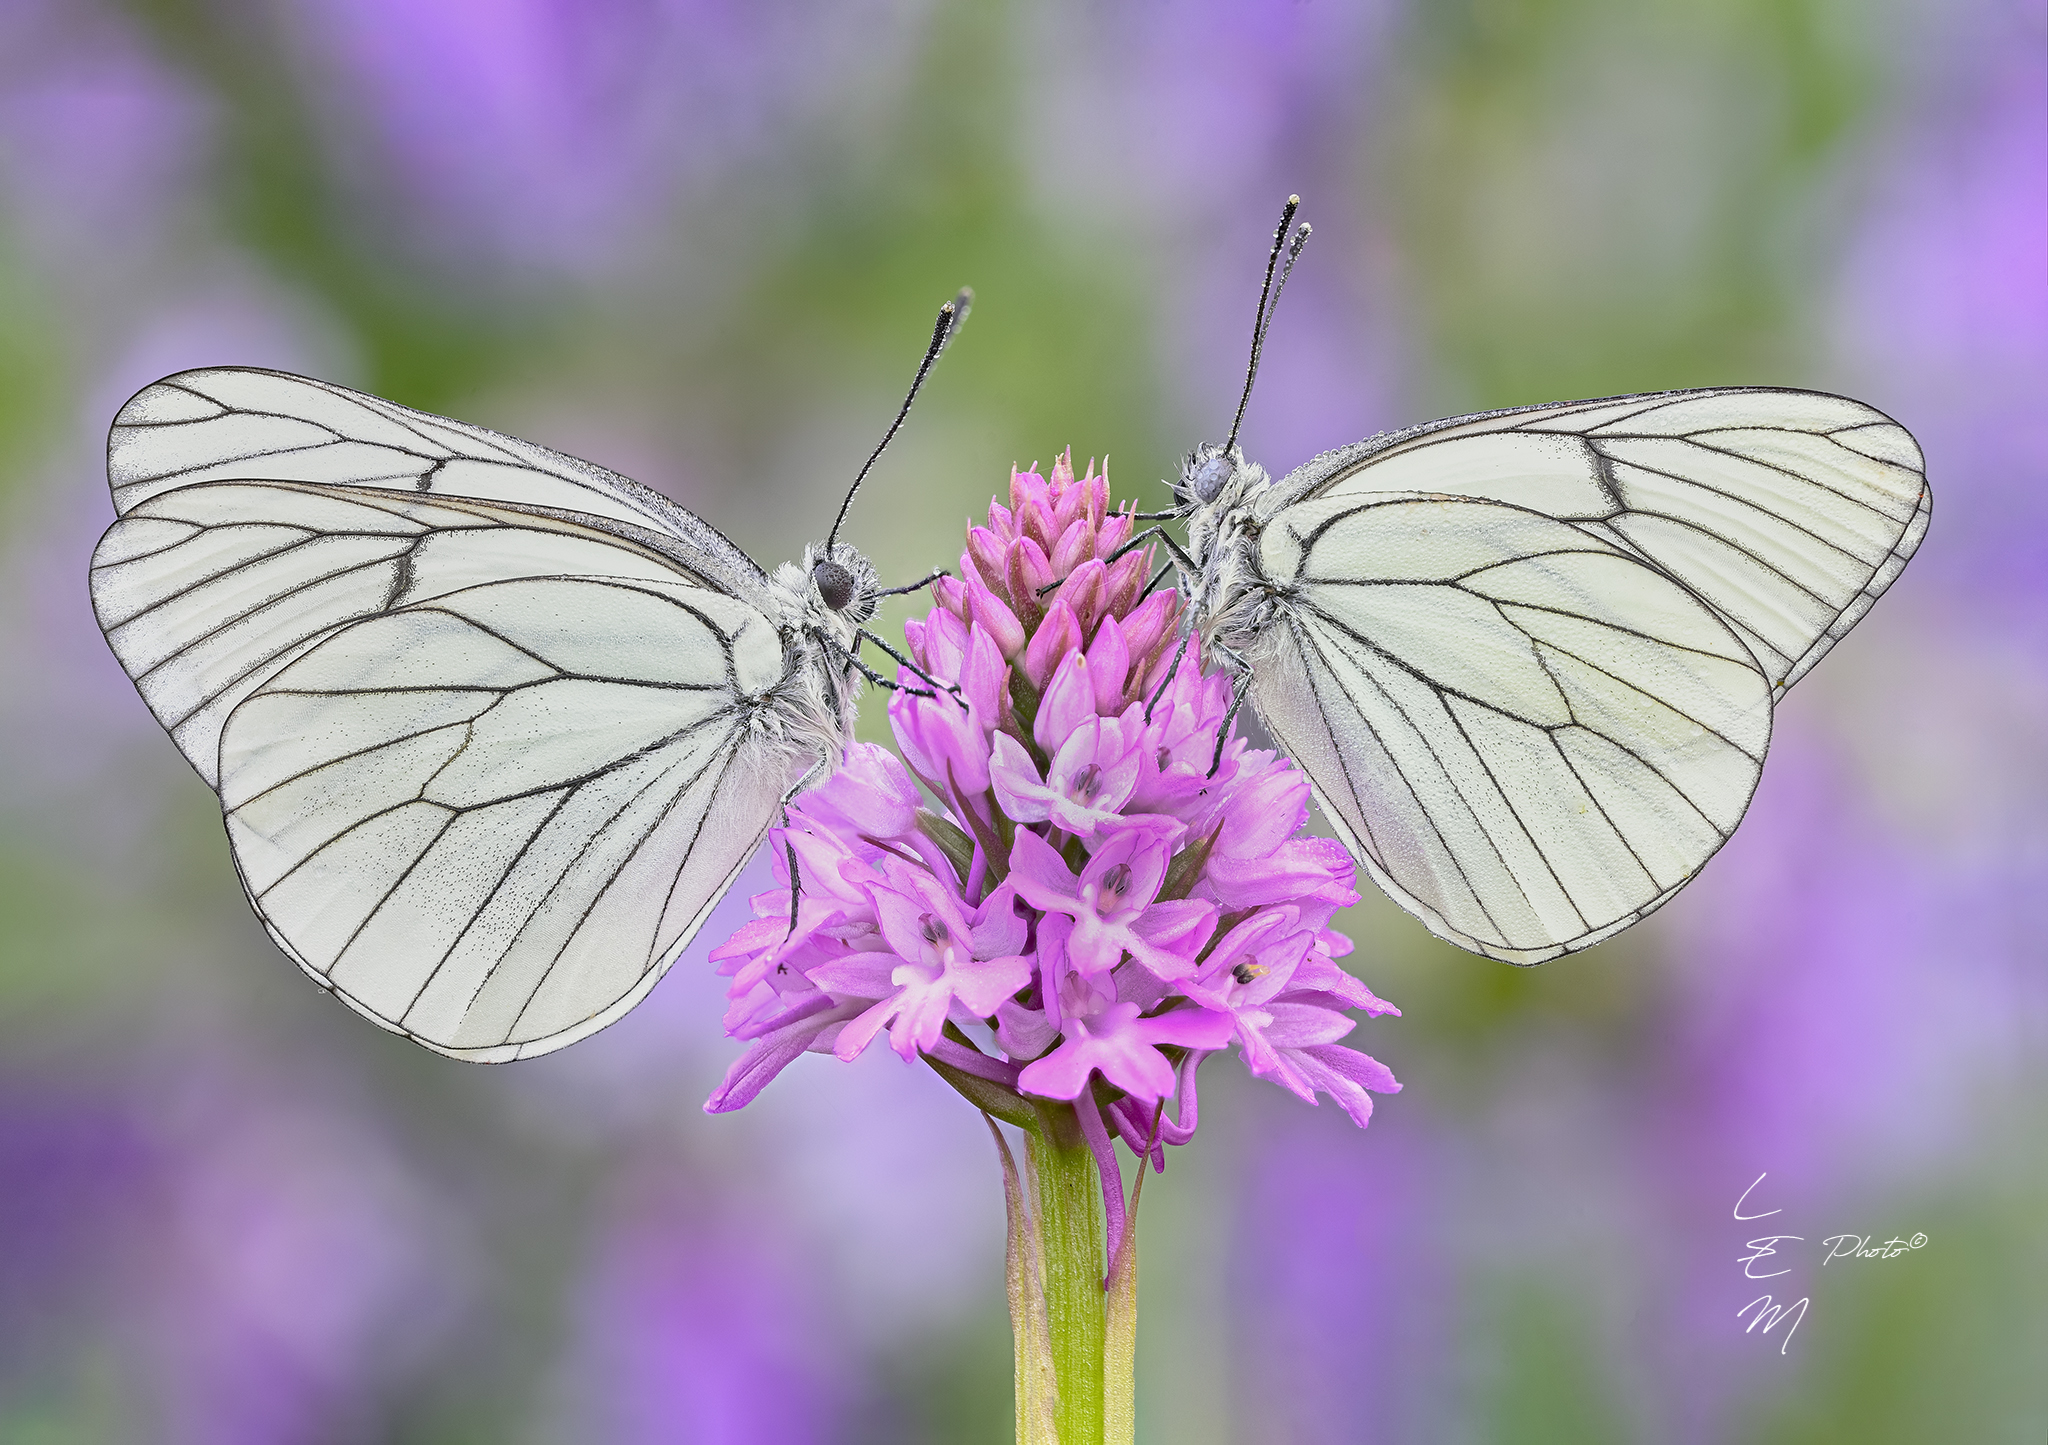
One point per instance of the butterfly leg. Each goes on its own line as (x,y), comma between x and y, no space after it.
(917,586)
(875,677)
(1223,732)
(865,635)
(1167,681)
(1157,577)
(822,766)
(1148,535)
(1238,669)
(795,886)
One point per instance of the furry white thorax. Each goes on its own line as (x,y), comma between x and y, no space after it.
(810,713)
(1228,599)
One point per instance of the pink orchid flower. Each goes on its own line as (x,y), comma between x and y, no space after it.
(943,956)
(1113,902)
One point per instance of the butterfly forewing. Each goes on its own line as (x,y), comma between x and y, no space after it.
(1787,512)
(237,423)
(206,590)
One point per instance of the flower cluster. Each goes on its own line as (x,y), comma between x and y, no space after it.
(1111,888)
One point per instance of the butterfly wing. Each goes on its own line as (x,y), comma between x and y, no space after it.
(207,590)
(235,423)
(1528,735)
(1787,512)
(491,820)
(482,816)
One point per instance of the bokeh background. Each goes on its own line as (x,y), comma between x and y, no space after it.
(701,241)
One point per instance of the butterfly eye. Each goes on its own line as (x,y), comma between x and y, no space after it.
(1209,477)
(834,584)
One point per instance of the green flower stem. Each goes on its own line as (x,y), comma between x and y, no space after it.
(1075,1341)
(1068,1202)
(1089,1331)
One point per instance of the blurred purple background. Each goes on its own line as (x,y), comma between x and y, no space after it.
(700,243)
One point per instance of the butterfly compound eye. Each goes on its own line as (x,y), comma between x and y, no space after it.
(1209,476)
(834,584)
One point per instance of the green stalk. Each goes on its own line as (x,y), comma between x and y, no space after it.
(1067,1194)
(1075,1340)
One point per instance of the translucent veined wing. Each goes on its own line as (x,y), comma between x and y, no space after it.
(486,721)
(1787,512)
(207,590)
(1528,735)
(235,423)
(491,820)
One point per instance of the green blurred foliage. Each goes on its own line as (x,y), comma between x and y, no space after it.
(34,367)
(1540,1371)
(425,342)
(1643,194)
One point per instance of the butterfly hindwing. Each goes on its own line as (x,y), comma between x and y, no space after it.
(1529,736)
(490,820)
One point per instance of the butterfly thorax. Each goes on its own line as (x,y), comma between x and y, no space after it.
(813,706)
(1226,595)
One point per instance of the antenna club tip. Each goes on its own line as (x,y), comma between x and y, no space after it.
(1294,200)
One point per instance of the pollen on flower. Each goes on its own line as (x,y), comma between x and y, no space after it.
(1064,860)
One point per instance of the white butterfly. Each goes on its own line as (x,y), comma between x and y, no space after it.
(1528,658)
(493,729)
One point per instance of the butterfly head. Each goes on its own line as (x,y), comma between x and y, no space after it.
(842,583)
(829,596)
(1213,472)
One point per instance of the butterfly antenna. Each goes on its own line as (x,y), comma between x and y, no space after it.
(950,316)
(1269,302)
